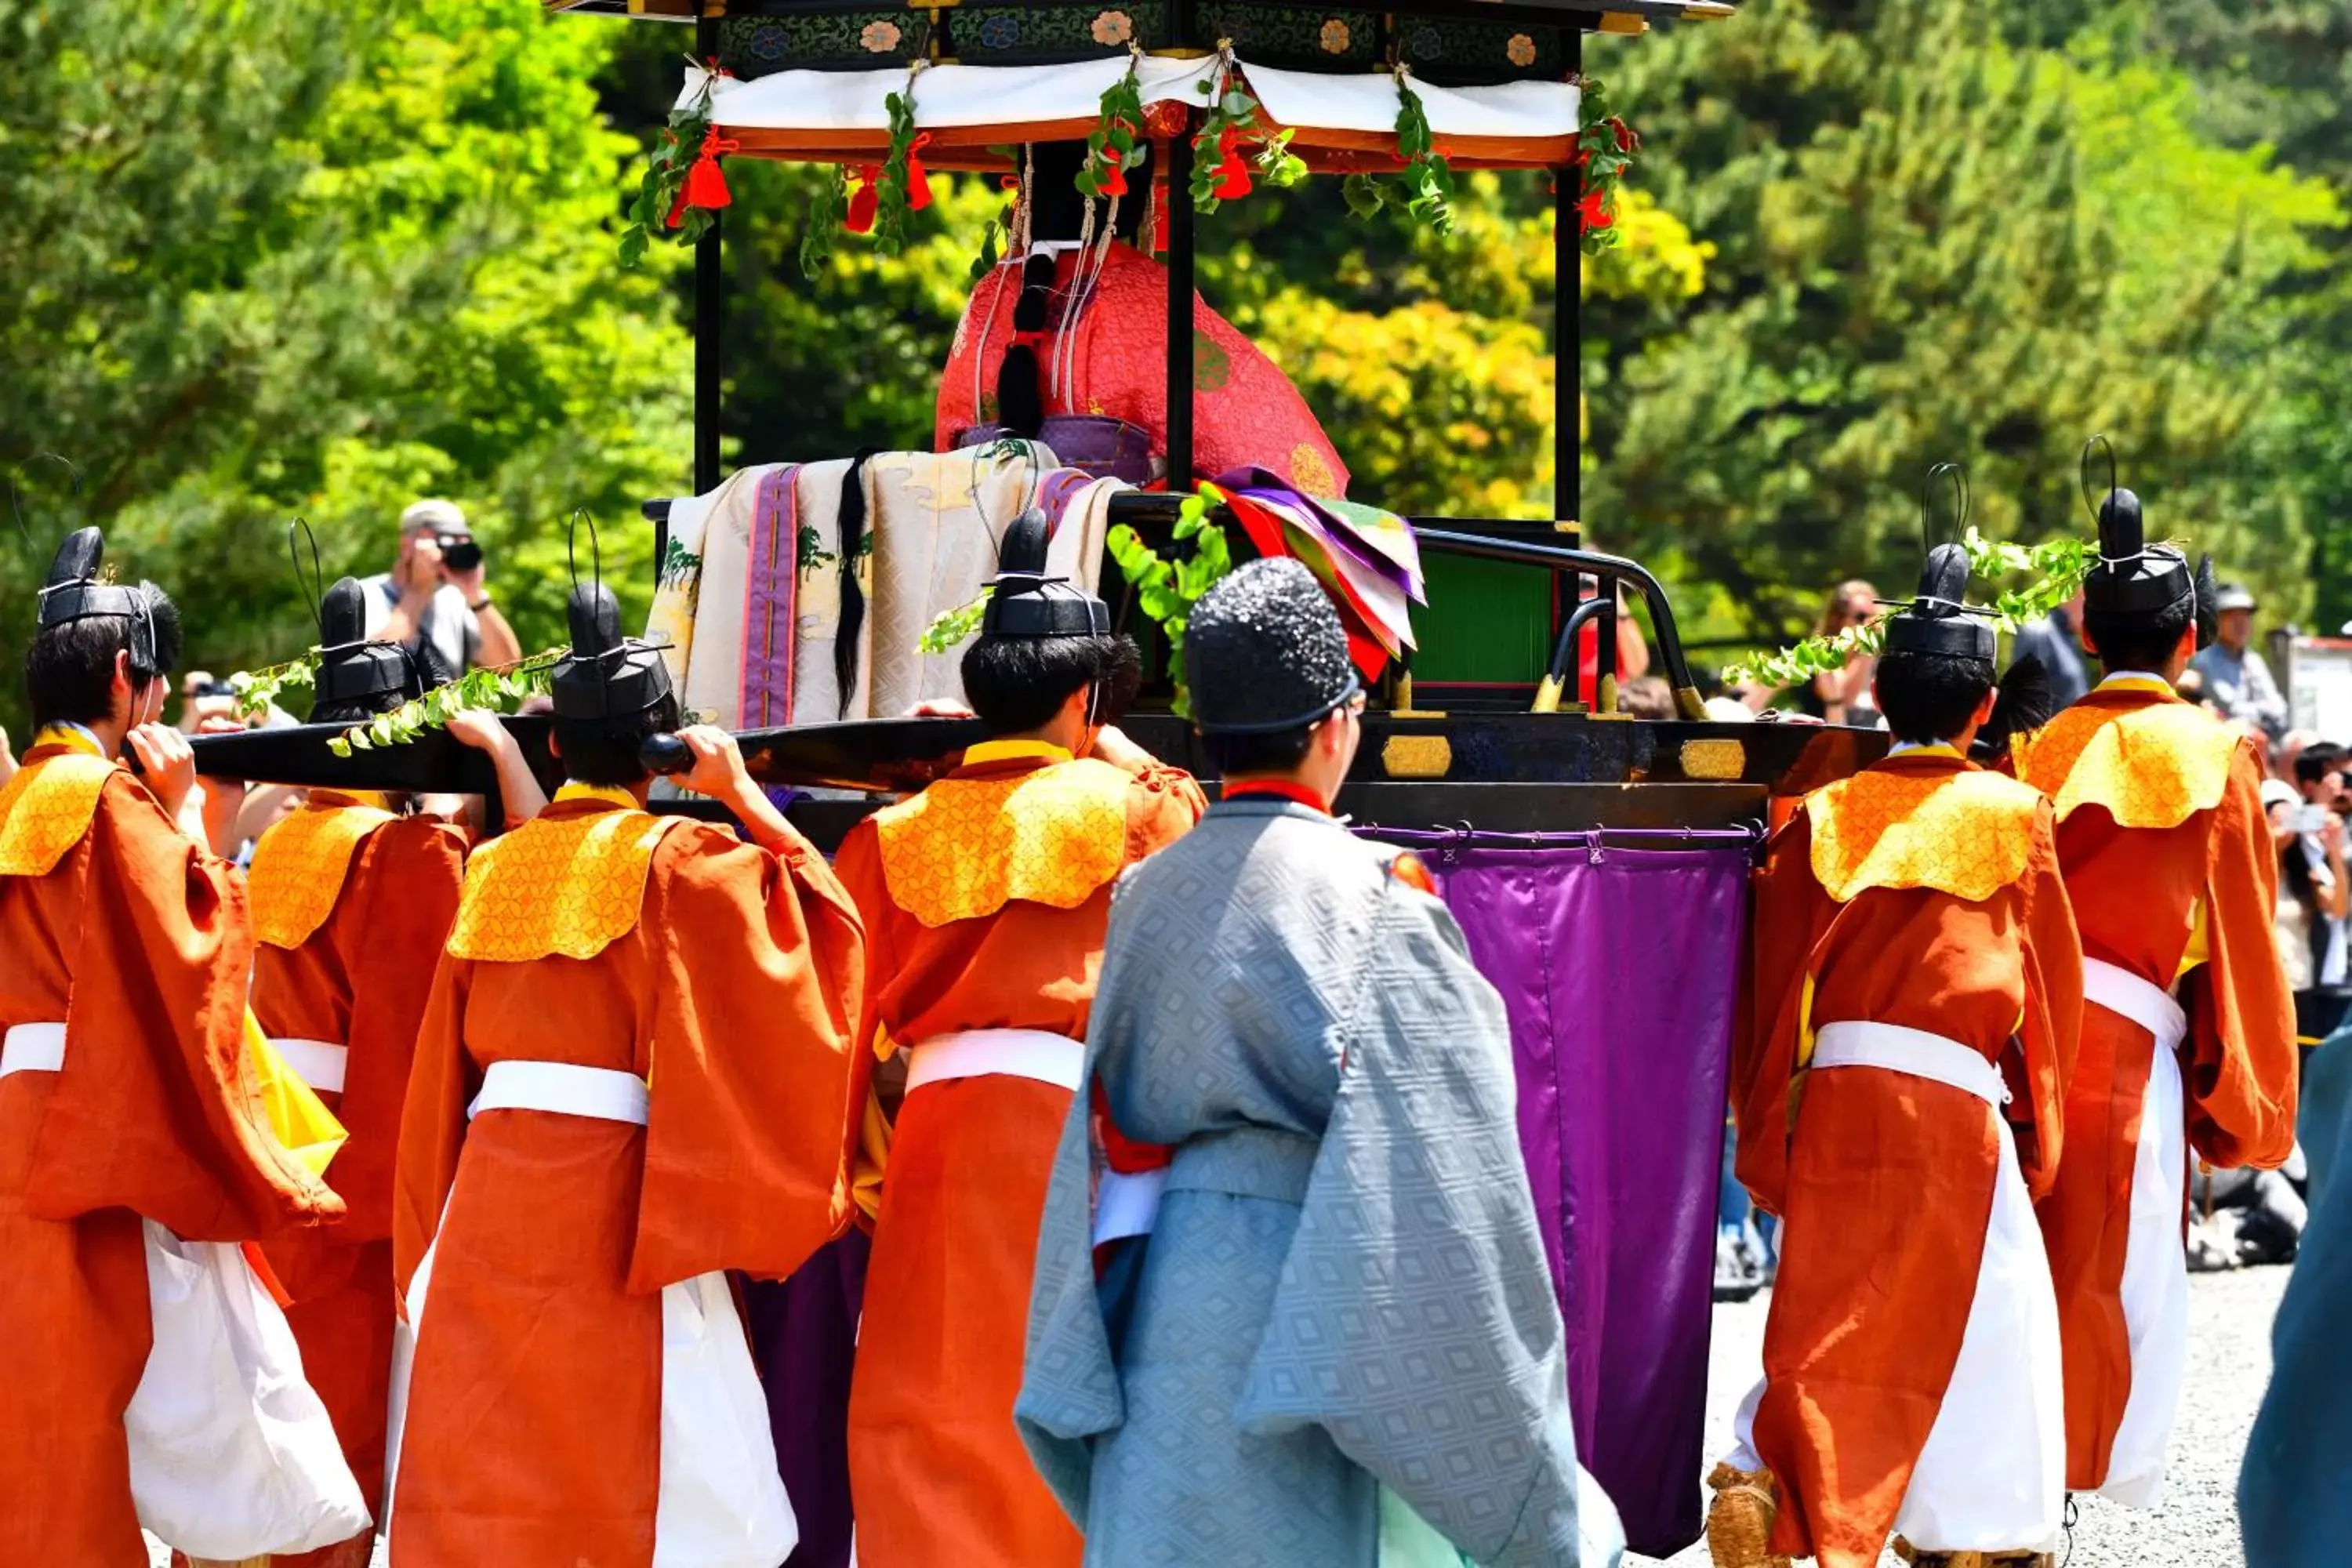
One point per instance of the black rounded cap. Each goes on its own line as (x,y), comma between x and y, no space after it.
(1265,652)
(351,667)
(606,674)
(1027,602)
(73,592)
(2134,577)
(1938,620)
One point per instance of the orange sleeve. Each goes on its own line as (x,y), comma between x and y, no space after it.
(752,1065)
(2241,1063)
(1790,911)
(2053,1008)
(156,1109)
(409,874)
(441,1083)
(1161,808)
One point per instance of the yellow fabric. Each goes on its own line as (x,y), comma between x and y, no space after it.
(965,847)
(565,887)
(2148,683)
(2148,767)
(1009,750)
(46,809)
(374,799)
(2200,941)
(299,866)
(1967,834)
(871,1159)
(611,795)
(298,1118)
(67,736)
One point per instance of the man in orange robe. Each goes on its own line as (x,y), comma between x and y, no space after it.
(2190,1034)
(1900,1084)
(986,898)
(132,1133)
(350,905)
(635,1073)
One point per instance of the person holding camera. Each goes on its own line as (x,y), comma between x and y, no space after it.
(432,601)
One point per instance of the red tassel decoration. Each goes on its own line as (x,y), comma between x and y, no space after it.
(1112,182)
(1233,172)
(918,182)
(863,201)
(706,183)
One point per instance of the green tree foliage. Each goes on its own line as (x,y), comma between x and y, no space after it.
(308,257)
(1934,244)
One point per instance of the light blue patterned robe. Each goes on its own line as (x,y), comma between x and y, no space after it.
(1345,1292)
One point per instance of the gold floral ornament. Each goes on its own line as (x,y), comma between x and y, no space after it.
(1521,49)
(879,37)
(1336,36)
(1113,27)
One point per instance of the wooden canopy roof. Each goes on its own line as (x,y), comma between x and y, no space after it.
(1593,16)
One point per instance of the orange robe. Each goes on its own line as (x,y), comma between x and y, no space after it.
(113,922)
(2174,875)
(986,898)
(1884,902)
(725,976)
(351,907)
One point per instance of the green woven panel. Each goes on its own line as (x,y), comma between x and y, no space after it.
(1027,33)
(1299,40)
(845,38)
(1486,621)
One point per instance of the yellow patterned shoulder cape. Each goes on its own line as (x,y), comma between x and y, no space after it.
(965,847)
(46,808)
(2154,766)
(299,866)
(557,886)
(1967,834)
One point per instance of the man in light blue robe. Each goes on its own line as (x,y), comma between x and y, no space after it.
(1338,1345)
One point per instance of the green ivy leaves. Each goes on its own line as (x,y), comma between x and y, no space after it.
(1166,591)
(1424,189)
(954,628)
(486,689)
(663,182)
(256,689)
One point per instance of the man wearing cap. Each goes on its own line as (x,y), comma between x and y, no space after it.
(1900,1086)
(2188,1029)
(433,596)
(2236,680)
(1342,1344)
(985,898)
(633,1074)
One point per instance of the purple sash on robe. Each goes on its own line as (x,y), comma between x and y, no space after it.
(770,601)
(1621,974)
(804,1335)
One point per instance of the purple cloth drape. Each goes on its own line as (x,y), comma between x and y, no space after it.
(771,626)
(804,1335)
(1619,970)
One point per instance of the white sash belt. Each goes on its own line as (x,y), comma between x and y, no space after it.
(318,1063)
(565,1090)
(1913,1051)
(1018,1053)
(33,1047)
(2127,995)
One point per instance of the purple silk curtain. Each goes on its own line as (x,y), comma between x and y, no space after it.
(770,623)
(1619,969)
(804,1335)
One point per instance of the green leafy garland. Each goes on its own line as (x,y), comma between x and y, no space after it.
(662,188)
(1112,147)
(825,211)
(2062,564)
(1605,146)
(953,628)
(1424,189)
(895,193)
(487,689)
(256,689)
(1167,591)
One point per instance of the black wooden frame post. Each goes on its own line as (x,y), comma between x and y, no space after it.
(1567,328)
(709,309)
(1180,308)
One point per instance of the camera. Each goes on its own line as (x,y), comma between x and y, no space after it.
(459,552)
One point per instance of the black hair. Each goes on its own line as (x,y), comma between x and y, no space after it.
(2137,640)
(70,673)
(1278,753)
(1929,698)
(2316,760)
(605,751)
(1018,684)
(2028,700)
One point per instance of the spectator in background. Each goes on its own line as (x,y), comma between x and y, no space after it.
(2056,640)
(434,598)
(2311,862)
(2232,677)
(1843,696)
(194,687)
(1648,697)
(2283,756)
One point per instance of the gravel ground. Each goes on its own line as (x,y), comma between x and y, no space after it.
(2228,1367)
